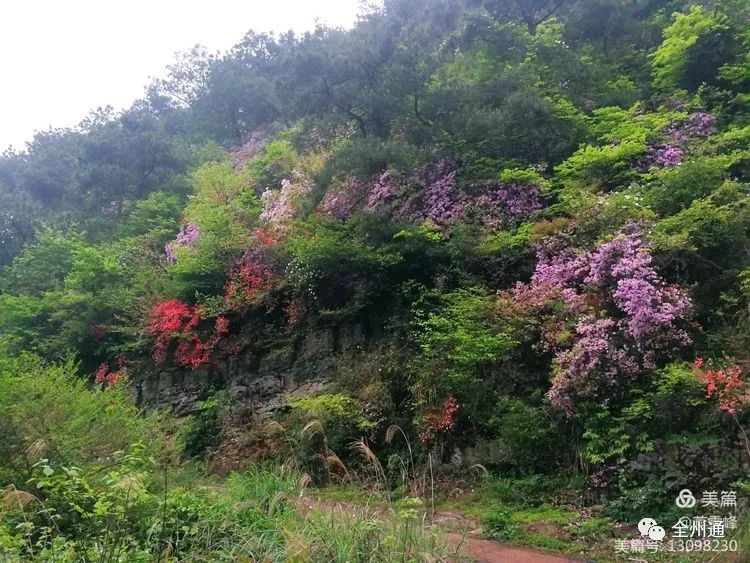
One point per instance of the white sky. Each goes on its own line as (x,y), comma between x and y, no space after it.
(61,58)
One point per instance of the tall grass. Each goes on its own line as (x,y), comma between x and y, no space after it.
(257,515)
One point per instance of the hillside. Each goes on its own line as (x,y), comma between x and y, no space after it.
(492,255)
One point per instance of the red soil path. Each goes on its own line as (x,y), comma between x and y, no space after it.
(490,551)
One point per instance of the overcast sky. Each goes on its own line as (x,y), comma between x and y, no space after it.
(61,58)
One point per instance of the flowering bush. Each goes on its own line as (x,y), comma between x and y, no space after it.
(661,156)
(245,283)
(253,273)
(103,375)
(430,192)
(681,134)
(282,205)
(295,311)
(725,383)
(187,237)
(503,204)
(698,125)
(342,202)
(442,202)
(438,421)
(175,322)
(617,314)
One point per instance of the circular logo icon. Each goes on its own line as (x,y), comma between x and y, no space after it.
(656,533)
(645,525)
(685,499)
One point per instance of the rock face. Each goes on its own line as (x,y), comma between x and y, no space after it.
(261,384)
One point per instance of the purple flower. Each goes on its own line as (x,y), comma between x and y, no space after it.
(430,192)
(519,200)
(442,202)
(189,235)
(661,156)
(504,204)
(669,156)
(382,191)
(344,201)
(624,314)
(169,251)
(698,125)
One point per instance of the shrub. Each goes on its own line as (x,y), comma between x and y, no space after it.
(340,416)
(201,435)
(48,412)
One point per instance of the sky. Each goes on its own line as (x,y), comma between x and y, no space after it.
(59,59)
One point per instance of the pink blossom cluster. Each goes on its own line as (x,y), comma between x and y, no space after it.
(431,193)
(620,312)
(343,202)
(386,188)
(698,125)
(282,205)
(246,152)
(661,155)
(442,201)
(188,237)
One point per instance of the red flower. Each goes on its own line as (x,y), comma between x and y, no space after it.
(294,311)
(264,237)
(726,384)
(192,353)
(173,316)
(176,321)
(439,421)
(222,325)
(245,283)
(101,373)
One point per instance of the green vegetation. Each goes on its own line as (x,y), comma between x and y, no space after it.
(87,500)
(497,237)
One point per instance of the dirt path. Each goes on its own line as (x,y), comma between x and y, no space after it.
(472,547)
(491,551)
(488,551)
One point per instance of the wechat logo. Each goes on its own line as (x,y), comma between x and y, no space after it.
(649,527)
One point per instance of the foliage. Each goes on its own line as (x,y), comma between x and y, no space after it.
(688,30)
(501,228)
(48,412)
(340,417)
(201,435)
